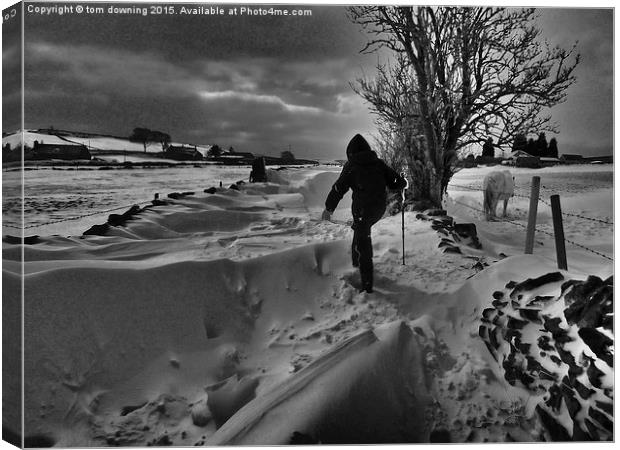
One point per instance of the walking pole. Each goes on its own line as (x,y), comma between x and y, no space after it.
(402,212)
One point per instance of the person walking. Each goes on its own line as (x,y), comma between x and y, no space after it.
(368,177)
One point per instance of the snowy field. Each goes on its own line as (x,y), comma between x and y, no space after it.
(52,195)
(587,202)
(235,317)
(93,143)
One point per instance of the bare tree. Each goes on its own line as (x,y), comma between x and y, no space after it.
(215,151)
(147,137)
(472,73)
(389,146)
(392,98)
(287,155)
(161,137)
(141,135)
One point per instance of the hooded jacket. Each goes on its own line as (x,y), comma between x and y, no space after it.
(368,177)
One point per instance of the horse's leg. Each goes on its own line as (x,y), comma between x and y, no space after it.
(505,206)
(485,204)
(494,207)
(490,206)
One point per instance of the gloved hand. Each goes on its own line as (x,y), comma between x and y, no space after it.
(327,215)
(406,181)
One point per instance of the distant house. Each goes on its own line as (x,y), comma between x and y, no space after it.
(237,155)
(240,158)
(520,158)
(203,150)
(518,154)
(183,153)
(571,159)
(547,161)
(60,151)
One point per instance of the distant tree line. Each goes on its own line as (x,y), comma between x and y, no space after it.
(538,147)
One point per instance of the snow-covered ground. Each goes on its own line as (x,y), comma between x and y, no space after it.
(235,318)
(587,203)
(52,195)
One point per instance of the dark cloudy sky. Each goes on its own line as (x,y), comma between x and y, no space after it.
(259,84)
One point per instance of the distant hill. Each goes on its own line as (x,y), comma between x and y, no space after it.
(109,147)
(94,142)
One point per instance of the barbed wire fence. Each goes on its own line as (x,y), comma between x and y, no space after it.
(543,201)
(469,188)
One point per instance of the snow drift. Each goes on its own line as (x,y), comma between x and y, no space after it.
(329,401)
(234,317)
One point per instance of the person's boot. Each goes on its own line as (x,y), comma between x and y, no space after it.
(366,281)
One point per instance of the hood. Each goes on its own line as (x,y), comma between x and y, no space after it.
(357,145)
(363,158)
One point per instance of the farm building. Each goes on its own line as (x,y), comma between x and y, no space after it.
(183,153)
(520,158)
(236,158)
(547,161)
(60,151)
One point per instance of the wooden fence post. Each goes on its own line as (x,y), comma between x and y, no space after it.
(531,221)
(558,231)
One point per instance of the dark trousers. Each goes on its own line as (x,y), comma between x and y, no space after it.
(361,248)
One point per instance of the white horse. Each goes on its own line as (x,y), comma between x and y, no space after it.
(497,186)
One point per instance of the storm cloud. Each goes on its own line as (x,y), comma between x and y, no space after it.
(258,83)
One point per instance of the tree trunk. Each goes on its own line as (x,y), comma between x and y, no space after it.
(436,191)
(428,182)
